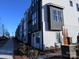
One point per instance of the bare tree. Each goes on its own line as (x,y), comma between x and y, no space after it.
(4,32)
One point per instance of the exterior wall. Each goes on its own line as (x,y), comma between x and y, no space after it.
(20,32)
(35,24)
(29,26)
(25,32)
(36,15)
(26,28)
(70,15)
(49,38)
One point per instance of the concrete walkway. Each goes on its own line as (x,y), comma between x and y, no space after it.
(49,55)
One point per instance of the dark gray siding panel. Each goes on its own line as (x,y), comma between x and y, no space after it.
(54,24)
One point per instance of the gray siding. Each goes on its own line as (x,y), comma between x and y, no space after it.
(55,24)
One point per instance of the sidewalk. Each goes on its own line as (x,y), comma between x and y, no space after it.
(6,57)
(49,55)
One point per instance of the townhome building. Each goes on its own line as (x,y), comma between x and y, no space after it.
(52,22)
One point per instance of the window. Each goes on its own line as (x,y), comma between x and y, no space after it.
(57,15)
(34,18)
(37,38)
(33,4)
(37,0)
(60,17)
(78,19)
(71,3)
(58,37)
(78,38)
(24,25)
(77,6)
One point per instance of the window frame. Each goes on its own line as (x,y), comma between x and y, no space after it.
(37,36)
(34,18)
(58,37)
(71,3)
(57,15)
(77,6)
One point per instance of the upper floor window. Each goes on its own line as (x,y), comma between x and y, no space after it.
(33,4)
(37,0)
(77,6)
(25,25)
(34,18)
(71,3)
(37,38)
(57,15)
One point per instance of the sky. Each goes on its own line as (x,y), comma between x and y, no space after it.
(11,12)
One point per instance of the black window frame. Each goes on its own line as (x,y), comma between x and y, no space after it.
(77,6)
(34,18)
(58,37)
(38,38)
(57,15)
(71,3)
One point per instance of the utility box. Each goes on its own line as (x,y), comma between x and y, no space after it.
(69,51)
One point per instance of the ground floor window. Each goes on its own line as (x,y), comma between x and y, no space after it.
(58,37)
(37,38)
